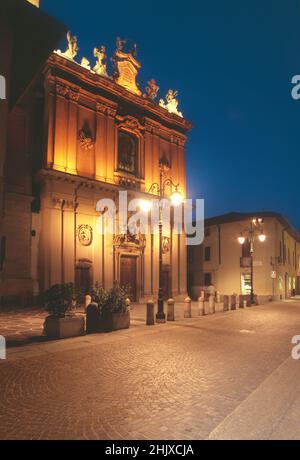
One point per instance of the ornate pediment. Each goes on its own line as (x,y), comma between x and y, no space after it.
(127,68)
(130,123)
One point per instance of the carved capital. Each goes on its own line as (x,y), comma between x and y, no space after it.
(152,128)
(68,92)
(181,141)
(62,90)
(73,95)
(106,109)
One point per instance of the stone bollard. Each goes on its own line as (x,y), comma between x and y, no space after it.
(87,301)
(201,306)
(171,310)
(233,302)
(211,303)
(218,297)
(188,308)
(128,304)
(225,303)
(237,301)
(241,302)
(150,313)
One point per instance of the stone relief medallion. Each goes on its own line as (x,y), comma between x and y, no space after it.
(85,235)
(166,243)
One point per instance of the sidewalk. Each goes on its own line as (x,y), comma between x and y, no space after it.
(24,326)
(271,412)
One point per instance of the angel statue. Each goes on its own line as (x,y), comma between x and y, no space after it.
(72,50)
(120,44)
(151,90)
(172,102)
(85,63)
(100,67)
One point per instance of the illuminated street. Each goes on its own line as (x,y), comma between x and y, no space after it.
(224,376)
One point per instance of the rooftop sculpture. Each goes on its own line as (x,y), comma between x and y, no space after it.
(126,69)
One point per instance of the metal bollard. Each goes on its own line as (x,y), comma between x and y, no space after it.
(218,297)
(188,308)
(211,303)
(150,313)
(93,319)
(171,310)
(233,302)
(201,306)
(237,301)
(225,303)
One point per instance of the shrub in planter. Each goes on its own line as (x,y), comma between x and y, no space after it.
(112,312)
(115,311)
(58,300)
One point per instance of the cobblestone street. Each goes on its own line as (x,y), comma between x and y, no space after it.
(224,376)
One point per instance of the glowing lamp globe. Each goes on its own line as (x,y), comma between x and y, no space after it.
(176,199)
(262,237)
(145,205)
(241,239)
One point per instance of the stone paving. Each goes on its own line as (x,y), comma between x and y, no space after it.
(21,326)
(175,381)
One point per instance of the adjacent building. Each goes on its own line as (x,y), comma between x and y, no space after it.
(27,38)
(226,264)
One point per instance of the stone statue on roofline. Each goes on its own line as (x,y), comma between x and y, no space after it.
(72,49)
(171,103)
(85,63)
(100,67)
(120,44)
(151,90)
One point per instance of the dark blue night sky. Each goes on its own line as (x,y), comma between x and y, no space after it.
(232,62)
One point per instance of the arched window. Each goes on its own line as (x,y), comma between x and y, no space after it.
(127,153)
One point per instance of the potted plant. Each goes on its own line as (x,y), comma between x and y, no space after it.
(109,310)
(61,323)
(116,309)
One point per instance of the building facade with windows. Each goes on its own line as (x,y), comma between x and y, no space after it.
(226,264)
(78,136)
(27,38)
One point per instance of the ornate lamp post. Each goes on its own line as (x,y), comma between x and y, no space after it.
(255,225)
(176,199)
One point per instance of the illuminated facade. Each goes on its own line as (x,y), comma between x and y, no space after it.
(79,136)
(223,262)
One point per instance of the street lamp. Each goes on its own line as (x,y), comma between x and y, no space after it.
(256,224)
(176,199)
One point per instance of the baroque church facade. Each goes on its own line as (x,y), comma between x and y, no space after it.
(75,137)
